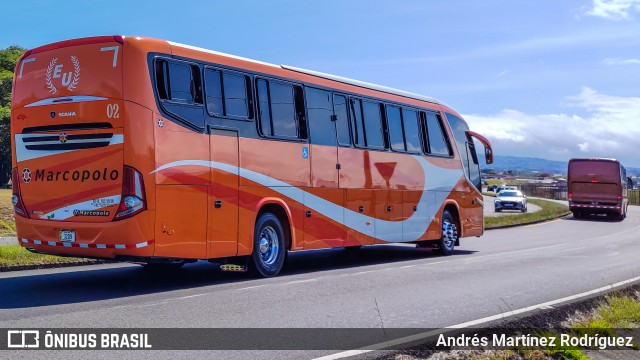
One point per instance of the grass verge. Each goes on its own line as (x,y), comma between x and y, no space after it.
(549,210)
(7,224)
(614,314)
(16,256)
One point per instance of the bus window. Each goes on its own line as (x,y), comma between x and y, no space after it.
(264,109)
(213,88)
(179,84)
(466,149)
(394,122)
(281,110)
(437,143)
(410,124)
(357,124)
(227,94)
(319,110)
(342,120)
(236,101)
(373,124)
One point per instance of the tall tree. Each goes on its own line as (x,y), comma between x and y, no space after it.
(8,59)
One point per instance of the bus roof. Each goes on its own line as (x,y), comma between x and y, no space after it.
(595,159)
(319,74)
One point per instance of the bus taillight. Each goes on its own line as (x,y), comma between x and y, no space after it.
(16,198)
(133,198)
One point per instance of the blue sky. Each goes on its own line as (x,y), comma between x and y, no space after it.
(544,78)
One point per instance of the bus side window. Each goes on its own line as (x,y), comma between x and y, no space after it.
(213,88)
(436,143)
(357,124)
(367,124)
(281,108)
(179,84)
(373,125)
(184,83)
(342,120)
(264,108)
(319,110)
(394,123)
(228,94)
(411,133)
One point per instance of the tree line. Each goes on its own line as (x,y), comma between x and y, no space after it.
(8,59)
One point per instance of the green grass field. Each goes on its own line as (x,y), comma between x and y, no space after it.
(16,255)
(7,224)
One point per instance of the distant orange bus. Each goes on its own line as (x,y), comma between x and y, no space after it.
(597,186)
(160,153)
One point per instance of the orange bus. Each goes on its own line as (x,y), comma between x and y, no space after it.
(161,153)
(597,186)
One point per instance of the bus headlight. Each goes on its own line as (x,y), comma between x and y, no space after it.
(14,200)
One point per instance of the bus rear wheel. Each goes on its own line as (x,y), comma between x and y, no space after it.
(268,246)
(449,234)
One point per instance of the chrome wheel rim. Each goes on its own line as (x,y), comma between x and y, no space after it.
(449,234)
(268,245)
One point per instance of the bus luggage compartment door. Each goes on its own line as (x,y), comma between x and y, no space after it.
(181,221)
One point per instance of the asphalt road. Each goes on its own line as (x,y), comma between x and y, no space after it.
(394,286)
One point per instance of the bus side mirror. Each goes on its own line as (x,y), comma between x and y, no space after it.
(488,152)
(488,155)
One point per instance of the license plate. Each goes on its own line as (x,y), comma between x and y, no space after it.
(508,204)
(67,235)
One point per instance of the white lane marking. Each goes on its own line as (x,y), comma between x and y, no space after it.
(438,181)
(416,337)
(191,296)
(299,281)
(253,287)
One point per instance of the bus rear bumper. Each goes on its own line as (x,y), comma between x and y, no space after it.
(596,208)
(130,237)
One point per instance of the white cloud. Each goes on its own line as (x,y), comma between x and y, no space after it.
(610,61)
(614,9)
(611,129)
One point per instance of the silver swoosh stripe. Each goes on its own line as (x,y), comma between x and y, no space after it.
(438,184)
(65,100)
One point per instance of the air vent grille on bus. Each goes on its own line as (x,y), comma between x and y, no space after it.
(66,142)
(67,127)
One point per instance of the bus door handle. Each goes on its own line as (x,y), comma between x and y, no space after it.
(217,204)
(389,207)
(361,208)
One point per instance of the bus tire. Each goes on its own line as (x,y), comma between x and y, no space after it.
(268,246)
(577,214)
(449,234)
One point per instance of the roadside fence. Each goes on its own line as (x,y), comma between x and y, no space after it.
(560,192)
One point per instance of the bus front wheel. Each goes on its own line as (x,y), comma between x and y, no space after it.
(268,246)
(449,234)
